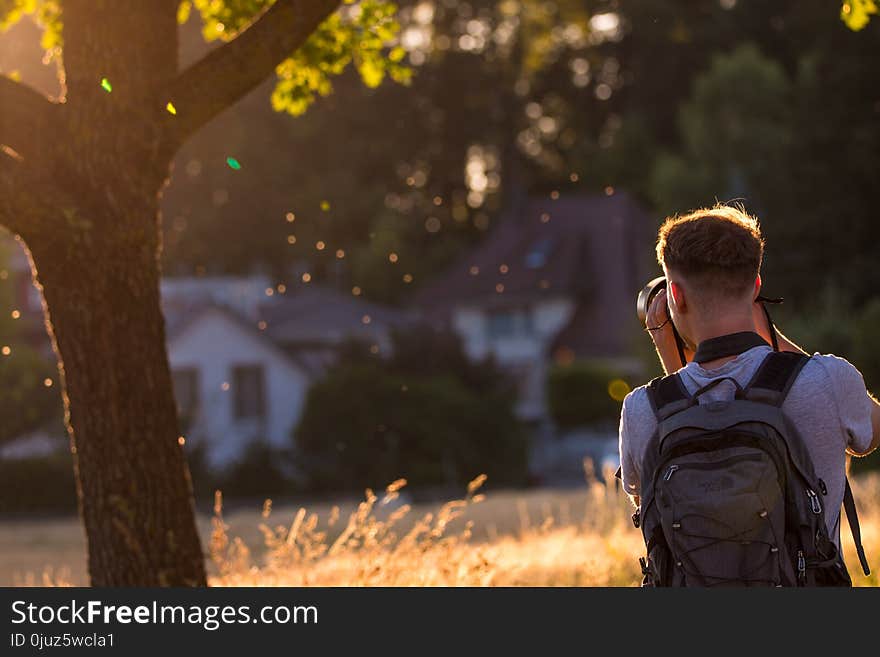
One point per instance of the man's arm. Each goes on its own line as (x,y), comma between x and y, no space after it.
(875,427)
(785,344)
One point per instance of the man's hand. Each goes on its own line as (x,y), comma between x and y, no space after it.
(661,329)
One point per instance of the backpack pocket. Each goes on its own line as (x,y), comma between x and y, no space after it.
(723,515)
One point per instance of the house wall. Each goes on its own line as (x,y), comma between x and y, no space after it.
(524,355)
(213,345)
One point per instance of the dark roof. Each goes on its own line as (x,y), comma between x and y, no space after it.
(180,317)
(316,314)
(593,249)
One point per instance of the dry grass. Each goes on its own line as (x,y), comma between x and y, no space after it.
(538,538)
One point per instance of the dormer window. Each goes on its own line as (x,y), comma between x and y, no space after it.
(539,254)
(509,323)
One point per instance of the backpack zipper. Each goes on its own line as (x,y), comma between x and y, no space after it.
(709,465)
(814,501)
(801,565)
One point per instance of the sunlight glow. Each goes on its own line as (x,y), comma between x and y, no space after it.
(605,26)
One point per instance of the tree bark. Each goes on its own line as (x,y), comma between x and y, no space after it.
(100,285)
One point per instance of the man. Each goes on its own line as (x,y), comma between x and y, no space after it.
(712,259)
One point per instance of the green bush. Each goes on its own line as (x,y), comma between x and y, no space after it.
(260,472)
(578,395)
(26,404)
(426,414)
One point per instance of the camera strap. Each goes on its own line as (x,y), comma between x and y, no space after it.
(732,344)
(764,301)
(679,344)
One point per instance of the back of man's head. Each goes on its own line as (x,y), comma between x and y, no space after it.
(717,251)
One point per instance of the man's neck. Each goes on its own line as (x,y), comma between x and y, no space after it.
(726,325)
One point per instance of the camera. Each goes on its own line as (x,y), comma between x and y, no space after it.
(643,302)
(646,296)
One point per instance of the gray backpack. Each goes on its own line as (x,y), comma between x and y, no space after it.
(730,496)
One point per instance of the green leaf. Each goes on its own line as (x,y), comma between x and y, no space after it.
(46,13)
(857,13)
(397,54)
(365,34)
(372,71)
(183,12)
(223,19)
(12,10)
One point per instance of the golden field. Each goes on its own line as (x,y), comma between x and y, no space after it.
(543,537)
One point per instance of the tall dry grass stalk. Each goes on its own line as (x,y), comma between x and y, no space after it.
(533,538)
(382,544)
(597,546)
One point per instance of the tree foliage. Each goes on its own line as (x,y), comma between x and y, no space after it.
(360,33)
(427,411)
(579,394)
(857,13)
(27,403)
(736,133)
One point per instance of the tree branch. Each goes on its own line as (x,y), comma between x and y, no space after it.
(229,72)
(25,115)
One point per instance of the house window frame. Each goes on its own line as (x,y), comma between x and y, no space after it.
(240,405)
(192,375)
(521,319)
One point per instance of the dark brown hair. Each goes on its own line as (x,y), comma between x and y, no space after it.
(719,250)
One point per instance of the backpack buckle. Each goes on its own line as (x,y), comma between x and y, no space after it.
(637,518)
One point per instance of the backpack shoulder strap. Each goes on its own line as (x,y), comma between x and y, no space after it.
(852,517)
(668,396)
(771,385)
(774,377)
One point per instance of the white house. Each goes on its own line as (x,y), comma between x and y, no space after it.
(233,385)
(554,281)
(243,355)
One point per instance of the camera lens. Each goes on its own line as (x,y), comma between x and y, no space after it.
(646,296)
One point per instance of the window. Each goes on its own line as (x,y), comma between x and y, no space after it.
(502,324)
(186,393)
(249,391)
(540,253)
(509,323)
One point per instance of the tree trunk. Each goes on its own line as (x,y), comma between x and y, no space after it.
(100,283)
(79,187)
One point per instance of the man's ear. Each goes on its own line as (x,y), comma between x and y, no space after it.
(678,297)
(757,290)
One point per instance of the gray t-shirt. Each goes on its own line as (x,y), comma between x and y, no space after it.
(828,405)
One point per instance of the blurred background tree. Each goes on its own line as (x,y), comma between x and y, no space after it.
(29,398)
(771,104)
(584,394)
(427,411)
